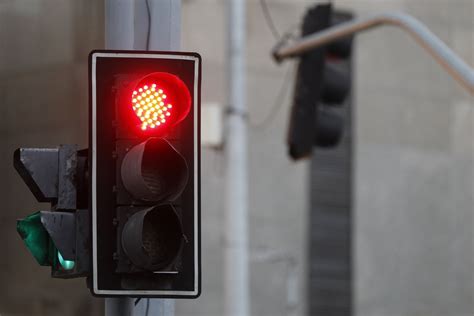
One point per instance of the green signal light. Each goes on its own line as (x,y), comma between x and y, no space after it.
(65,264)
(35,237)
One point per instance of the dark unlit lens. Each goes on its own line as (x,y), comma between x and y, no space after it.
(161,235)
(152,238)
(154,171)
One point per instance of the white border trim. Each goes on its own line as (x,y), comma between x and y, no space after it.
(96,290)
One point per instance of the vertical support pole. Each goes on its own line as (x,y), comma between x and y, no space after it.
(119,20)
(119,34)
(236,223)
(119,306)
(165,25)
(164,35)
(149,25)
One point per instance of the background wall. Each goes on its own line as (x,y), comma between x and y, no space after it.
(414,165)
(43,102)
(414,179)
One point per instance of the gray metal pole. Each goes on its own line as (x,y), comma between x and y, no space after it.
(448,59)
(164,35)
(236,280)
(144,25)
(119,306)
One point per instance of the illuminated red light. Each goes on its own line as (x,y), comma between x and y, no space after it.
(151,112)
(160,99)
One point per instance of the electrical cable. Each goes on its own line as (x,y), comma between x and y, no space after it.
(269,19)
(283,88)
(271,25)
(279,101)
(149,25)
(147,309)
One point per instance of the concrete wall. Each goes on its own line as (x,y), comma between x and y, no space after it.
(414,159)
(43,102)
(414,170)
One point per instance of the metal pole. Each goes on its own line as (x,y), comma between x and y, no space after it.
(236,228)
(448,59)
(119,24)
(165,35)
(119,306)
(149,25)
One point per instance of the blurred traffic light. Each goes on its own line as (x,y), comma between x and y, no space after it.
(145,173)
(323,82)
(58,238)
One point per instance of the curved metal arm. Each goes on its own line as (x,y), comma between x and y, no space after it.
(450,61)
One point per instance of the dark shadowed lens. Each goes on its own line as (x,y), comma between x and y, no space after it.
(154,171)
(152,238)
(161,235)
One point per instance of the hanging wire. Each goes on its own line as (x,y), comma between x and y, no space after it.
(269,19)
(277,104)
(147,310)
(276,107)
(149,24)
(289,34)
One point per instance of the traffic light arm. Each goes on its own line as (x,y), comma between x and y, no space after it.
(450,61)
(50,174)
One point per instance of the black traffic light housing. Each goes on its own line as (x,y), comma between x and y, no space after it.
(59,237)
(323,82)
(144,173)
(125,213)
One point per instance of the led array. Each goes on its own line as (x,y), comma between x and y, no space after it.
(149,104)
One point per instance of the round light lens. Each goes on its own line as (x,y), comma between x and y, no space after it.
(160,99)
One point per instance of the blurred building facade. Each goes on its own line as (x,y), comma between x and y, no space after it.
(414,157)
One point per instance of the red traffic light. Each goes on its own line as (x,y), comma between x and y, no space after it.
(144,172)
(160,99)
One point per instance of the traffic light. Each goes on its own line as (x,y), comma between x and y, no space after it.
(144,173)
(60,237)
(323,83)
